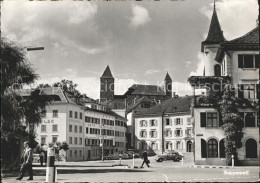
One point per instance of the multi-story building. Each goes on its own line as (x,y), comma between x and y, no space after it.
(166,126)
(239,59)
(84,125)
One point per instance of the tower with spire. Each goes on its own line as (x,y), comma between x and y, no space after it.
(210,46)
(168,85)
(107,82)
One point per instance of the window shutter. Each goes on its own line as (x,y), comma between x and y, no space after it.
(170,133)
(203,148)
(181,133)
(181,121)
(150,123)
(141,123)
(156,123)
(156,145)
(175,133)
(171,122)
(186,132)
(240,61)
(202,119)
(145,134)
(155,133)
(240,91)
(181,145)
(175,121)
(150,133)
(140,133)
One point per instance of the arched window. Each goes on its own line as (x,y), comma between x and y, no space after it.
(222,148)
(251,148)
(178,145)
(217,70)
(249,119)
(189,146)
(153,145)
(203,148)
(212,148)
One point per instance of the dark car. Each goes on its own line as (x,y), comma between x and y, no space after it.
(130,153)
(175,156)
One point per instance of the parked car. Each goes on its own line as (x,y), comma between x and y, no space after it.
(116,156)
(173,155)
(130,153)
(36,158)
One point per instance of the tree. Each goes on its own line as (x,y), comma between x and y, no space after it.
(69,87)
(17,71)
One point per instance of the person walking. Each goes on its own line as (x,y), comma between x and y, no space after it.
(26,162)
(145,159)
(41,157)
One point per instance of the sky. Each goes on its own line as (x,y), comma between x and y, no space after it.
(140,41)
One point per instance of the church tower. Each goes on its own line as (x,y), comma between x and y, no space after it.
(107,85)
(210,46)
(168,85)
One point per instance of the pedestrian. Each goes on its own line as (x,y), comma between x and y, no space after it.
(42,157)
(26,162)
(145,159)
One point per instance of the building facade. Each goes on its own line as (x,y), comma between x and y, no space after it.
(85,125)
(239,59)
(166,126)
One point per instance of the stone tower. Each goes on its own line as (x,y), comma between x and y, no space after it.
(210,46)
(107,85)
(168,85)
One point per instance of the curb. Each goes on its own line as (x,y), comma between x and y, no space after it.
(202,166)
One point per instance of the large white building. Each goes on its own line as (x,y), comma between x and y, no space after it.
(239,59)
(166,126)
(83,124)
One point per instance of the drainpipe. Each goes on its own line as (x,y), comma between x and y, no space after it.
(162,133)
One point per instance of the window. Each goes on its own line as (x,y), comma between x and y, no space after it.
(76,115)
(178,145)
(178,133)
(143,133)
(75,140)
(75,129)
(168,133)
(168,145)
(212,148)
(143,123)
(217,70)
(203,148)
(43,128)
(222,148)
(188,121)
(70,128)
(71,114)
(86,129)
(54,139)
(80,153)
(55,113)
(80,115)
(70,140)
(76,154)
(153,134)
(43,139)
(248,61)
(249,91)
(153,122)
(80,141)
(153,145)
(188,132)
(251,148)
(54,128)
(250,119)
(212,119)
(178,121)
(80,129)
(167,122)
(70,153)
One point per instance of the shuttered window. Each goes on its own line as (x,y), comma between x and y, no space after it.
(203,119)
(203,148)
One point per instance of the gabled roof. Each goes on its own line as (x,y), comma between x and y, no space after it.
(180,105)
(215,34)
(167,77)
(138,102)
(249,41)
(139,89)
(107,73)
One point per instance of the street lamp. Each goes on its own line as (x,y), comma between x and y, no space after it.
(34,48)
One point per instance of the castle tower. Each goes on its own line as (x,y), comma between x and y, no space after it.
(210,46)
(168,85)
(107,85)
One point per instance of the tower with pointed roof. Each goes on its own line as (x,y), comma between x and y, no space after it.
(168,85)
(107,82)
(210,46)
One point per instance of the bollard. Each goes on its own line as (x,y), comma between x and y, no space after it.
(120,159)
(182,161)
(133,160)
(232,161)
(51,174)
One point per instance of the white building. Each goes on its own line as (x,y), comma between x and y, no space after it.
(238,58)
(166,126)
(84,125)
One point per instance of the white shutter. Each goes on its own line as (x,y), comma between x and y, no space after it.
(150,123)
(145,123)
(175,133)
(171,133)
(156,123)
(140,133)
(181,145)
(175,121)
(150,133)
(155,134)
(156,145)
(145,134)
(171,122)
(141,123)
(181,133)
(181,121)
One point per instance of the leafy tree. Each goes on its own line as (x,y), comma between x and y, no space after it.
(68,86)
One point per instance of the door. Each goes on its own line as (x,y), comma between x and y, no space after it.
(88,154)
(189,146)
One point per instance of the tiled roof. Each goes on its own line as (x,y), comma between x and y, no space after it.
(249,41)
(167,77)
(138,89)
(107,73)
(137,102)
(112,113)
(170,106)
(215,34)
